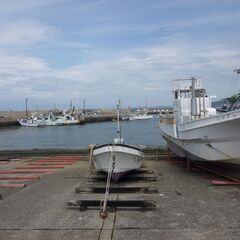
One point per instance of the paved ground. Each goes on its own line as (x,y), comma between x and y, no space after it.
(188,207)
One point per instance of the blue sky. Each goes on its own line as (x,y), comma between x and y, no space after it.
(54,51)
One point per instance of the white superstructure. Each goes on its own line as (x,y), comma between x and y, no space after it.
(195,130)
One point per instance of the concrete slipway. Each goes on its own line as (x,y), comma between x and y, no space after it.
(188,207)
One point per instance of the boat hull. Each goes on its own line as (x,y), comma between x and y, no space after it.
(205,141)
(140,117)
(31,123)
(127,158)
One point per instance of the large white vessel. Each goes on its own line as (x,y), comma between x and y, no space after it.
(117,158)
(195,130)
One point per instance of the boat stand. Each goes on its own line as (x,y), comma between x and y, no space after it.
(134,177)
(115,189)
(189,164)
(114,204)
(137,171)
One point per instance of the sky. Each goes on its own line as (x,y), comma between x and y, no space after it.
(55,51)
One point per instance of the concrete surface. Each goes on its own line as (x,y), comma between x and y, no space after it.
(188,207)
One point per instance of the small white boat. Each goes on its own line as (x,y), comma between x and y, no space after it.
(66,119)
(32,122)
(117,158)
(195,130)
(140,116)
(124,117)
(125,158)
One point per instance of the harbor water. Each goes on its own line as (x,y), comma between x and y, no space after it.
(144,132)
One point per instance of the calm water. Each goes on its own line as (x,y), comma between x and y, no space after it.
(144,132)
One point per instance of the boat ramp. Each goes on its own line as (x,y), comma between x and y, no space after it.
(50,195)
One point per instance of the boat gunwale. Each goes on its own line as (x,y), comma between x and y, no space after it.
(181,126)
(198,140)
(116,144)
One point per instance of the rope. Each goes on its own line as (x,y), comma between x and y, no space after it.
(92,170)
(103,203)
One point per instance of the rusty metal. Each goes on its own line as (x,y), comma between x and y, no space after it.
(26,172)
(56,161)
(20,178)
(40,167)
(225,183)
(218,173)
(12,185)
(48,164)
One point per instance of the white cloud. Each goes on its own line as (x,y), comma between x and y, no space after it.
(136,77)
(24,32)
(12,6)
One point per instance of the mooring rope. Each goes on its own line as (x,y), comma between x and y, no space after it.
(92,170)
(111,167)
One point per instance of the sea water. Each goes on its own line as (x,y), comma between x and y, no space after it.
(144,132)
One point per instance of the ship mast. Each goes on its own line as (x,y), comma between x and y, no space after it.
(118,122)
(193,103)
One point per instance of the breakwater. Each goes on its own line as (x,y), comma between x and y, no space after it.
(6,122)
(9,118)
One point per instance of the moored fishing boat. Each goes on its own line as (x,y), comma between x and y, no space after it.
(61,120)
(117,158)
(195,130)
(32,122)
(140,115)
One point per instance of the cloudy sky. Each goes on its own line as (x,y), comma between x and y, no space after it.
(54,51)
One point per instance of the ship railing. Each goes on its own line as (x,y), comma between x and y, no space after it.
(185,84)
(210,120)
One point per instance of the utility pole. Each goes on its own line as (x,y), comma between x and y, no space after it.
(26,106)
(84,107)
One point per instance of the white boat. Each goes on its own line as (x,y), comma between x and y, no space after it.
(126,158)
(50,120)
(138,115)
(117,158)
(66,119)
(195,130)
(124,117)
(32,122)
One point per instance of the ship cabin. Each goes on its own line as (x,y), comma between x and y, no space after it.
(190,100)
